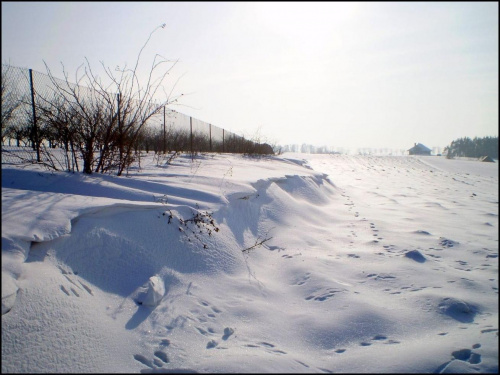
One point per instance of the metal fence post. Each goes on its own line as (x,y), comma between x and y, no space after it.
(191,130)
(210,127)
(34,129)
(120,138)
(164,132)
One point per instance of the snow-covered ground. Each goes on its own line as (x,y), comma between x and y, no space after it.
(228,263)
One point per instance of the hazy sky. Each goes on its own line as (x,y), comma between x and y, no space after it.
(352,75)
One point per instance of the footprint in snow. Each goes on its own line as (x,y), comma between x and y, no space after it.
(227,332)
(212,344)
(465,355)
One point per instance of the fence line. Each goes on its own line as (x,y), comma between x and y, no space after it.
(23,87)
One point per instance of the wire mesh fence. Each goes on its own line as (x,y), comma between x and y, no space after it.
(37,105)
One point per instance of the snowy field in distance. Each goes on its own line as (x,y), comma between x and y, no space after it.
(227,263)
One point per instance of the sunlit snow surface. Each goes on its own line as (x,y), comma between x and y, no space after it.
(228,263)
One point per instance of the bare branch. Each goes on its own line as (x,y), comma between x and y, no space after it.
(257,244)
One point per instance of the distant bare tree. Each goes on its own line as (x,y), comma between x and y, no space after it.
(136,102)
(107,120)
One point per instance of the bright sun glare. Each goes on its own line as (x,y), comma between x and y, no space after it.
(311,26)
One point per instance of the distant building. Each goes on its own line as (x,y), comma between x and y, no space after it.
(419,149)
(486,159)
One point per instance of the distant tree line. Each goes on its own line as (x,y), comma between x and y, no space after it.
(311,149)
(307,149)
(473,148)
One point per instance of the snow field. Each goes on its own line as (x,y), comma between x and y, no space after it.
(296,263)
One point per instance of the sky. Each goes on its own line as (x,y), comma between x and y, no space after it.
(233,264)
(337,74)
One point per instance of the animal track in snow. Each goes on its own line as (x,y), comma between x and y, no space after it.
(82,286)
(379,339)
(303,279)
(207,310)
(89,291)
(202,331)
(212,344)
(434,256)
(330,292)
(227,332)
(391,342)
(424,232)
(143,360)
(302,363)
(489,330)
(161,355)
(216,310)
(382,276)
(444,242)
(71,281)
(72,290)
(268,346)
(165,342)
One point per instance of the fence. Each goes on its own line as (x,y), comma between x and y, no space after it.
(23,89)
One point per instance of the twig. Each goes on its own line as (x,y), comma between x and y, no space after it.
(257,244)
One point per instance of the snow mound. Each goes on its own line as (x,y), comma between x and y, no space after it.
(458,310)
(415,255)
(152,292)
